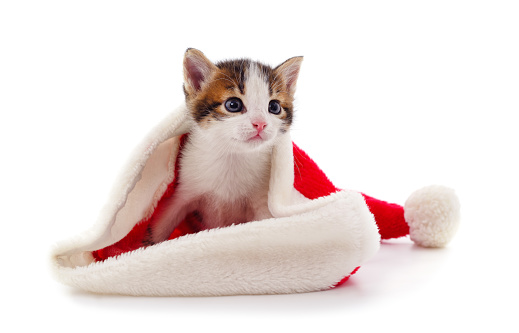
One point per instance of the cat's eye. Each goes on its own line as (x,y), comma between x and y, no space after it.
(274,107)
(234,104)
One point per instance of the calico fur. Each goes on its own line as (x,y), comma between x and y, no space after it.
(229,79)
(225,164)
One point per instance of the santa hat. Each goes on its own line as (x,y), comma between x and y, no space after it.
(319,235)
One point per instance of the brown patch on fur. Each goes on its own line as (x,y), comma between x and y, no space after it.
(229,80)
(286,100)
(234,71)
(208,105)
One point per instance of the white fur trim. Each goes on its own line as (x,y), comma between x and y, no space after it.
(309,244)
(127,194)
(309,252)
(433,215)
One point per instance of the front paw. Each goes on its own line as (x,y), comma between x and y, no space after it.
(148,238)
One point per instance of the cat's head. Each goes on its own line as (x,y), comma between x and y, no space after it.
(242,103)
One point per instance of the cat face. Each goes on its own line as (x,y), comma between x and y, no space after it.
(241,103)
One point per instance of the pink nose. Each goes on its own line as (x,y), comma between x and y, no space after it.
(259,126)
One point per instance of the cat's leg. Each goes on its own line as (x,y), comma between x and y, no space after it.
(262,214)
(260,209)
(167,217)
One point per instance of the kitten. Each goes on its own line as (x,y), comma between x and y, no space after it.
(240,108)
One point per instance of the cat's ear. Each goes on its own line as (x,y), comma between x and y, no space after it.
(289,71)
(197,70)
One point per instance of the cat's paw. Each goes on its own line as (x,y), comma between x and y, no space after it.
(148,238)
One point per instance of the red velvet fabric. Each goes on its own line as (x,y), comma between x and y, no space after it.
(309,180)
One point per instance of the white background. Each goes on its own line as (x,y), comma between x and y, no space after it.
(392,96)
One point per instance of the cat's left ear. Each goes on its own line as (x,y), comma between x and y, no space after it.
(197,70)
(289,71)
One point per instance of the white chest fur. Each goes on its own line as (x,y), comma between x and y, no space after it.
(224,186)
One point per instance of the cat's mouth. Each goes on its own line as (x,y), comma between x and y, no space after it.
(253,141)
(256,138)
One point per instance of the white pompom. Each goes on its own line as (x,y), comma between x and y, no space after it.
(433,215)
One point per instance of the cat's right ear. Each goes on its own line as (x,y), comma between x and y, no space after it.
(289,71)
(197,70)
